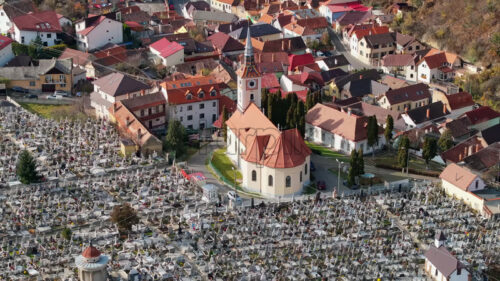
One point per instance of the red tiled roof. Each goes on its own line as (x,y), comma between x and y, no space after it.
(225,43)
(351,127)
(230,106)
(297,60)
(91,252)
(301,95)
(269,80)
(460,100)
(458,176)
(4,41)
(79,57)
(180,96)
(91,27)
(360,33)
(45,21)
(397,60)
(460,151)
(481,115)
(166,48)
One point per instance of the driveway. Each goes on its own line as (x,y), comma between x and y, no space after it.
(322,173)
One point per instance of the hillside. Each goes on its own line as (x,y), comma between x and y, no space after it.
(468,28)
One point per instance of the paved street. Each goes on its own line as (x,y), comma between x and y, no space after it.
(341,49)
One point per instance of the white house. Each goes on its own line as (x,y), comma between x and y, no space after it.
(44,25)
(6,53)
(222,5)
(340,130)
(289,85)
(97,31)
(440,264)
(64,21)
(112,88)
(272,162)
(437,65)
(166,52)
(12,10)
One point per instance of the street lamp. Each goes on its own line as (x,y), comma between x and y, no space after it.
(234,170)
(338,178)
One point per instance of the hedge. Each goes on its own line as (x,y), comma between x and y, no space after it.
(410,170)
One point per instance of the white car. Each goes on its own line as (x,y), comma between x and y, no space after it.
(233,196)
(54,97)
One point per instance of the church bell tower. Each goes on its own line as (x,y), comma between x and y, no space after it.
(249,79)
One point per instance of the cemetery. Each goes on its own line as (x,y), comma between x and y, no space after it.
(46,226)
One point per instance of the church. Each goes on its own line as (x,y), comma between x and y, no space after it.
(273,162)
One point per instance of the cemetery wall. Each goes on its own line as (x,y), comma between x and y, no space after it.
(469,198)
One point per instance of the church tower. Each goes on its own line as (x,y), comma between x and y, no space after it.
(249,79)
(92,266)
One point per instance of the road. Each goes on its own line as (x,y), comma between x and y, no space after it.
(341,49)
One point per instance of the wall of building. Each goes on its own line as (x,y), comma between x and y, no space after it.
(190,115)
(469,198)
(373,55)
(6,55)
(400,107)
(5,23)
(26,37)
(174,59)
(108,31)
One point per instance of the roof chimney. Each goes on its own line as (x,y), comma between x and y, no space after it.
(289,44)
(477,147)
(335,61)
(283,45)
(465,151)
(471,150)
(428,113)
(460,157)
(272,57)
(349,111)
(444,108)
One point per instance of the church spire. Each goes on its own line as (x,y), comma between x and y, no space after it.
(249,48)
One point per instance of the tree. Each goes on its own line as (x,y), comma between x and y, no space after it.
(403,151)
(372,133)
(325,39)
(263,100)
(124,216)
(309,100)
(66,233)
(361,162)
(353,162)
(174,140)
(26,168)
(445,142)
(429,150)
(351,177)
(224,125)
(389,126)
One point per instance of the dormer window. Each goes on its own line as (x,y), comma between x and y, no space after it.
(213,93)
(189,96)
(201,94)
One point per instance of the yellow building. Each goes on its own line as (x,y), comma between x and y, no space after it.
(48,76)
(127,147)
(406,98)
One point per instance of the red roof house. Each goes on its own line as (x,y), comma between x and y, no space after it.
(298,60)
(170,53)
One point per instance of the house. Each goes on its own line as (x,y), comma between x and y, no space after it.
(394,83)
(64,21)
(225,44)
(459,128)
(194,50)
(340,130)
(485,158)
(366,89)
(6,53)
(464,149)
(295,61)
(312,81)
(96,31)
(229,27)
(196,107)
(48,76)
(406,98)
(131,127)
(166,52)
(406,44)
(372,48)
(483,117)
(204,18)
(423,115)
(457,104)
(191,6)
(10,10)
(352,35)
(399,64)
(112,88)
(438,65)
(336,85)
(440,264)
(360,108)
(224,5)
(350,18)
(461,183)
(332,10)
(149,109)
(334,62)
(294,45)
(310,29)
(44,25)
(261,31)
(491,135)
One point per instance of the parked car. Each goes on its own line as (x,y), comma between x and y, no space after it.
(320,185)
(61,93)
(54,97)
(79,94)
(313,168)
(20,89)
(32,96)
(233,196)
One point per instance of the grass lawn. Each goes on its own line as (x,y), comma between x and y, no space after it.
(53,111)
(414,162)
(324,151)
(222,163)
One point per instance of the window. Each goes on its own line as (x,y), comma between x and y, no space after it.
(45,44)
(190,127)
(436,272)
(270,180)
(300,176)
(49,35)
(150,111)
(202,115)
(477,184)
(251,97)
(142,112)
(180,108)
(22,39)
(214,117)
(32,83)
(305,169)
(201,95)
(190,107)
(214,104)
(254,175)
(459,271)
(190,117)
(288,181)
(202,105)
(213,93)
(181,119)
(189,97)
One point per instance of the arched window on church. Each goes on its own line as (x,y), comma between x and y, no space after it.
(288,181)
(270,180)
(305,169)
(254,175)
(301,176)
(251,97)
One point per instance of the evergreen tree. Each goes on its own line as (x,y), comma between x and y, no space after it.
(26,168)
(429,149)
(309,100)
(174,140)
(270,112)
(299,113)
(372,133)
(361,162)
(354,163)
(403,151)
(389,126)
(317,98)
(263,100)
(302,125)
(351,177)
(290,117)
(445,142)
(224,125)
